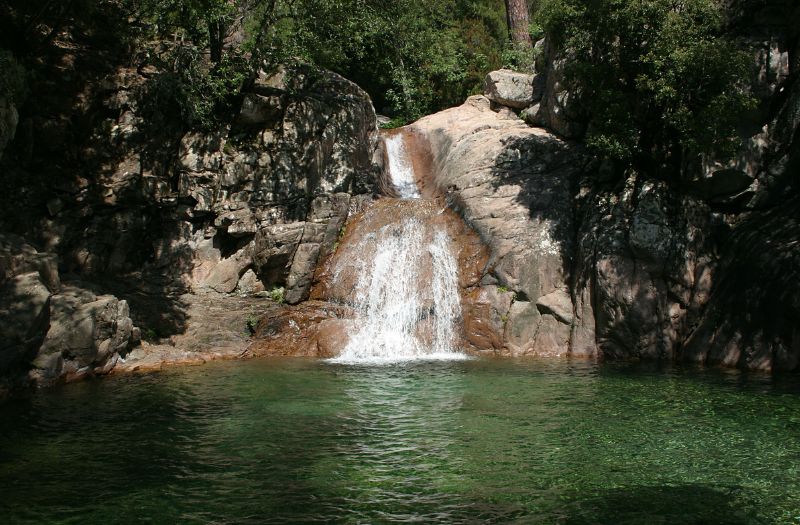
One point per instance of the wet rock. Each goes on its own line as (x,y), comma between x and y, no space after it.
(337,280)
(485,313)
(312,329)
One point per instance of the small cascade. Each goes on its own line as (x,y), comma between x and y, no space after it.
(406,291)
(401,169)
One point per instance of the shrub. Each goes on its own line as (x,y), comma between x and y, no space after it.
(276,294)
(251,323)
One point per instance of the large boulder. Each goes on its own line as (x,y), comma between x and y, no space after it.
(513,185)
(24,320)
(510,88)
(88,333)
(28,278)
(53,330)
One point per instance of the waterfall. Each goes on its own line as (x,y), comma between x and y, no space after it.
(401,170)
(406,293)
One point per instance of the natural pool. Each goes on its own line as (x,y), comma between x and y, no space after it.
(483,441)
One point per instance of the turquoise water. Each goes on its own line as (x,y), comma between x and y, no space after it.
(485,441)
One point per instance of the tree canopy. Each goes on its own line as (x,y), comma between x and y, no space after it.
(659,80)
(413,57)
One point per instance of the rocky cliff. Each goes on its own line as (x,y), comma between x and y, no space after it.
(137,215)
(119,224)
(701,271)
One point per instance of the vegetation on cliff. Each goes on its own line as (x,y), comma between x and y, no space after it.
(659,81)
(413,57)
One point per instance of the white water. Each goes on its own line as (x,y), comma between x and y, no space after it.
(406,295)
(401,170)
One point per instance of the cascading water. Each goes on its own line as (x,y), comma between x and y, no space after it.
(406,279)
(401,169)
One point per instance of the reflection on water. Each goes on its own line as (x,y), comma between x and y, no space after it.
(481,441)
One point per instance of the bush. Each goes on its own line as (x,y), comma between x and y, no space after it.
(276,294)
(519,57)
(251,323)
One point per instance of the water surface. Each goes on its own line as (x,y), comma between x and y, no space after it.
(483,441)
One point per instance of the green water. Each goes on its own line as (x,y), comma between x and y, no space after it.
(298,441)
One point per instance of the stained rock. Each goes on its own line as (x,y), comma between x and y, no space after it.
(513,185)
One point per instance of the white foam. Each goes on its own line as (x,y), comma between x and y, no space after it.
(399,317)
(401,169)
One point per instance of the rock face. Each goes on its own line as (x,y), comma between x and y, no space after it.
(513,185)
(580,268)
(129,204)
(697,272)
(200,210)
(278,190)
(50,331)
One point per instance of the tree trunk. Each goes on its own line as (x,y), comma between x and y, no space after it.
(216,37)
(518,22)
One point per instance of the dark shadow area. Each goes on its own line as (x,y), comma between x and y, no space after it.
(754,303)
(676,505)
(547,171)
(82,177)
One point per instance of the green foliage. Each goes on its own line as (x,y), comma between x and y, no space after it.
(658,79)
(213,92)
(519,57)
(412,56)
(150,335)
(393,123)
(251,323)
(13,78)
(199,79)
(276,294)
